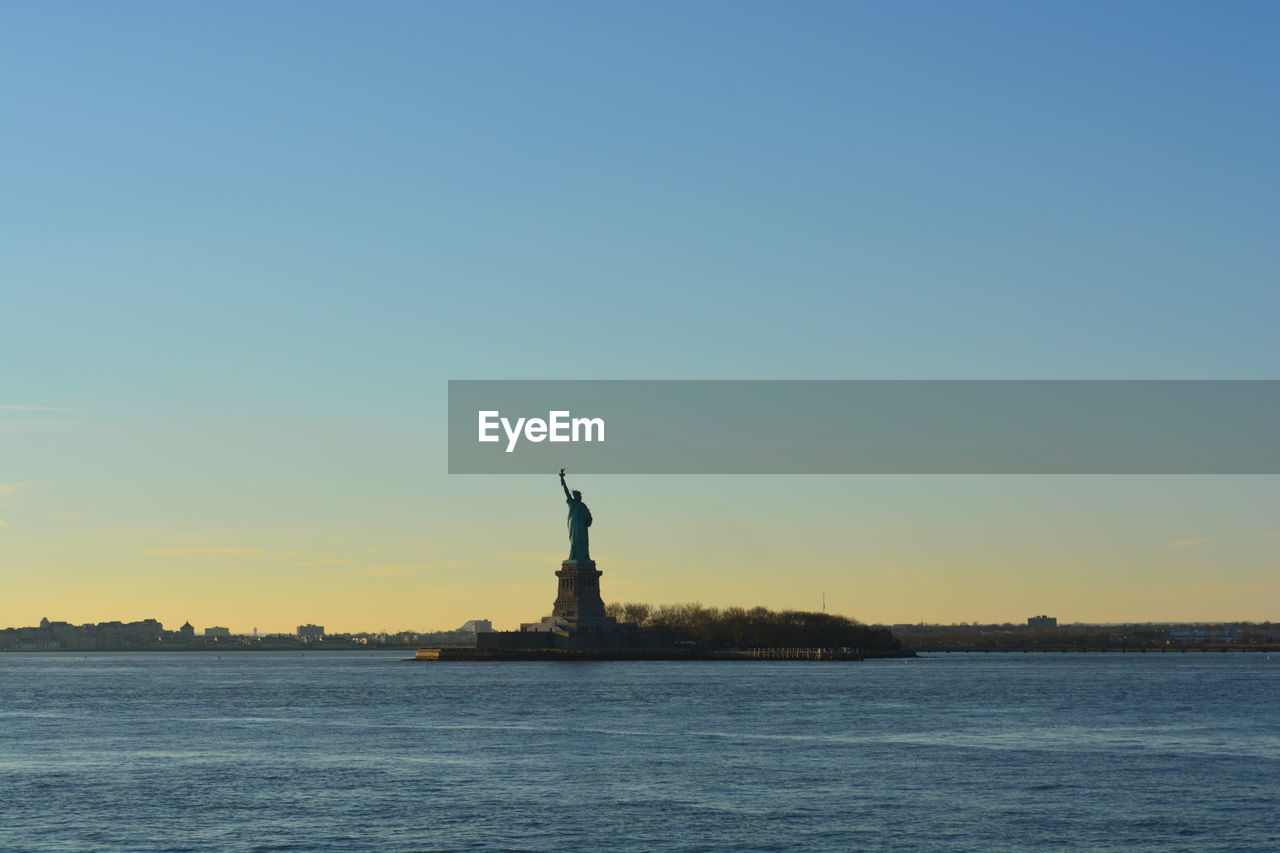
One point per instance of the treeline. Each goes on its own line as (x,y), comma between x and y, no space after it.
(758,627)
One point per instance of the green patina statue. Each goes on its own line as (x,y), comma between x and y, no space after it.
(579,521)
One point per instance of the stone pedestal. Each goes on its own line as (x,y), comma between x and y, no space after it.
(579,593)
(577,619)
(578,606)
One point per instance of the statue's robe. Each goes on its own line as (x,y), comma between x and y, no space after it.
(579,521)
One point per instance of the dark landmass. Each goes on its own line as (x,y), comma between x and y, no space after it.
(691,625)
(758,627)
(1173,636)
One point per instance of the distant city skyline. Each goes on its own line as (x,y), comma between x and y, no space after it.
(472,625)
(222,630)
(151,634)
(696,626)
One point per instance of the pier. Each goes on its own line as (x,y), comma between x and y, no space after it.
(601,654)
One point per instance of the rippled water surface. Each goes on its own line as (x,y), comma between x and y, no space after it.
(364,752)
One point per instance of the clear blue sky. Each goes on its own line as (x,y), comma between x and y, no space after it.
(247,243)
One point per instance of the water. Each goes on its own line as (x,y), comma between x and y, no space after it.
(362,752)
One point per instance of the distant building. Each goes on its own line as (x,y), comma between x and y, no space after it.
(310,632)
(1042,622)
(475,626)
(217,631)
(187,631)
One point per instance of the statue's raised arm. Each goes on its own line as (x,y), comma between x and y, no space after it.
(562,484)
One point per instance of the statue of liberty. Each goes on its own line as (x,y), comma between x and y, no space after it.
(579,521)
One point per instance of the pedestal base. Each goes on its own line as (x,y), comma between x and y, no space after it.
(577,620)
